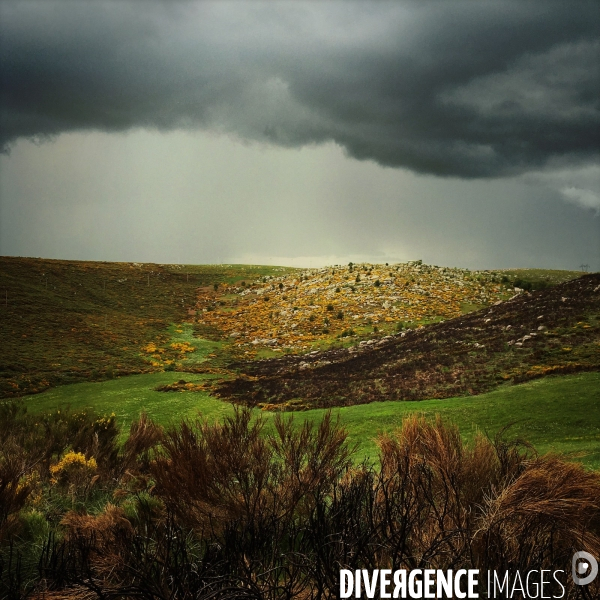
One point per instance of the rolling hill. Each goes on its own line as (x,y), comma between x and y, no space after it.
(65,321)
(335,336)
(550,331)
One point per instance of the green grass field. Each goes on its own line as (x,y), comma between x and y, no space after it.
(555,414)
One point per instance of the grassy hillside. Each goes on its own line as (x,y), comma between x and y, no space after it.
(559,414)
(71,321)
(537,279)
(165,339)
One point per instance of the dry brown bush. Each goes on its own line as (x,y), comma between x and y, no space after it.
(211,474)
(144,436)
(548,512)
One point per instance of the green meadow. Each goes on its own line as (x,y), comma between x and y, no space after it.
(555,414)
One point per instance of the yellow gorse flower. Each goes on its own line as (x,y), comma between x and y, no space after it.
(182,347)
(72,463)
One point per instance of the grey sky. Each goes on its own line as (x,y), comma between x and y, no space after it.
(461,133)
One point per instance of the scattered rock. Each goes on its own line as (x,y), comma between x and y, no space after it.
(300,316)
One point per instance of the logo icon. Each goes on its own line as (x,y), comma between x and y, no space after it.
(584,568)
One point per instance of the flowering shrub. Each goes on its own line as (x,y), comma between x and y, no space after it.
(151,348)
(74,470)
(183,347)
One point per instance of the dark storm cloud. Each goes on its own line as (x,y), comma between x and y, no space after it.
(456,88)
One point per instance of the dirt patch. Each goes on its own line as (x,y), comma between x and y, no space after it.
(183,386)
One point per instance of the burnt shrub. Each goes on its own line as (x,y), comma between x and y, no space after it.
(240,509)
(529,286)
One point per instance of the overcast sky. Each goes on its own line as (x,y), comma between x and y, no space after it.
(301,133)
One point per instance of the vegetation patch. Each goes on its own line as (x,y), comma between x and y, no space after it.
(310,308)
(128,397)
(204,510)
(182,386)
